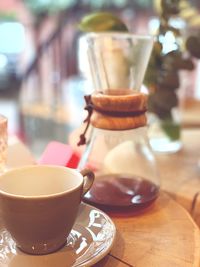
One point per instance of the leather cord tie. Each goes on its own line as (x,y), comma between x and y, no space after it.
(89,109)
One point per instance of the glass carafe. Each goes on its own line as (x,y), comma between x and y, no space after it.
(118,149)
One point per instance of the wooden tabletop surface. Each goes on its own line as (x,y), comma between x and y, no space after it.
(164,235)
(180,172)
(190,112)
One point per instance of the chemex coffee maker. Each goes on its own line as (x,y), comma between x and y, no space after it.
(117,148)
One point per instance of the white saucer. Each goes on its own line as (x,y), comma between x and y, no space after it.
(90,240)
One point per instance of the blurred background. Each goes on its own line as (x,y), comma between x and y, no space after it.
(42,81)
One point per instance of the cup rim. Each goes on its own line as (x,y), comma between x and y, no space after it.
(54,195)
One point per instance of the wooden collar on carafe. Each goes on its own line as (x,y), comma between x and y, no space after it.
(115,112)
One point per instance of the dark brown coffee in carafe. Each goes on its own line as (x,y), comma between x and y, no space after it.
(122,191)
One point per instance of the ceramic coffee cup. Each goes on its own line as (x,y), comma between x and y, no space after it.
(39,205)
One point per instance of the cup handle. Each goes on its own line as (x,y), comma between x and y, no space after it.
(88,177)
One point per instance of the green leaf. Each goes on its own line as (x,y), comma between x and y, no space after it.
(172,129)
(102,21)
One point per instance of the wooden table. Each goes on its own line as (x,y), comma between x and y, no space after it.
(190,113)
(180,172)
(164,235)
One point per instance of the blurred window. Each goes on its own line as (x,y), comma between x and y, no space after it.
(12,36)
